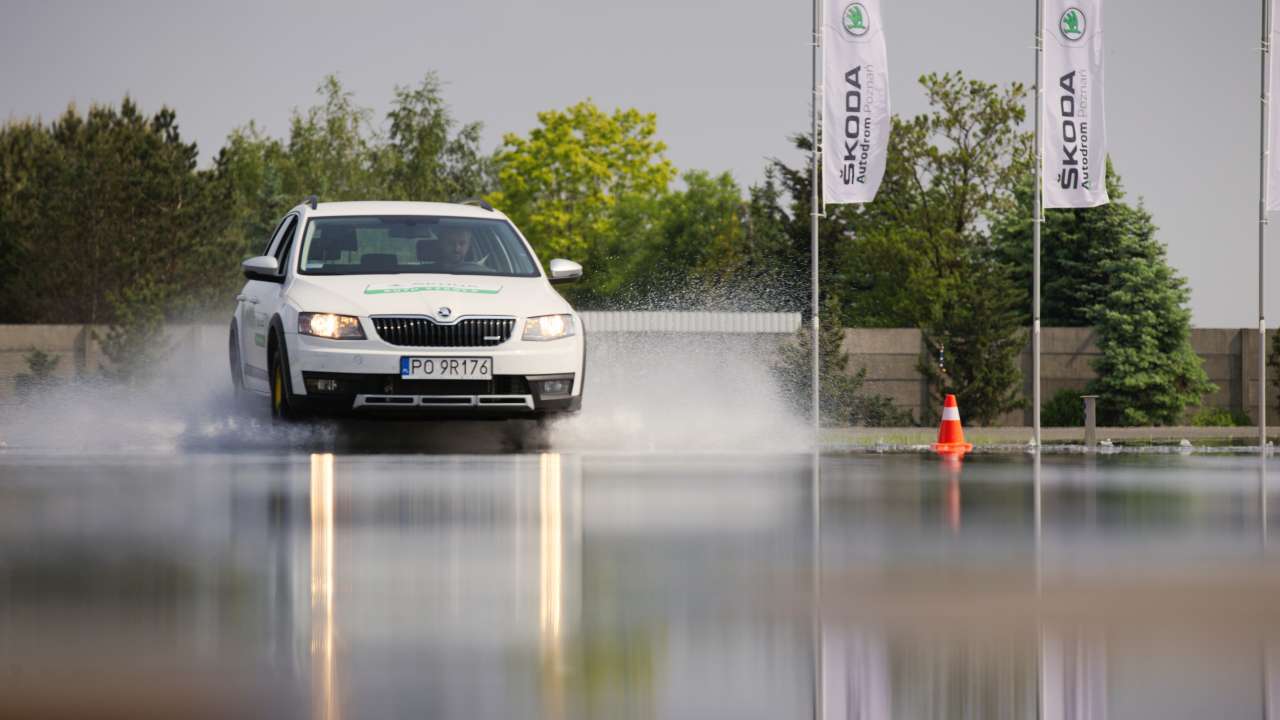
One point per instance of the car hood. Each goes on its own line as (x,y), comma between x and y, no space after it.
(366,295)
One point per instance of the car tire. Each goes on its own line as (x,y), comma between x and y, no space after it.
(284,404)
(237,368)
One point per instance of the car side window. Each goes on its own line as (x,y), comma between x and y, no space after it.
(274,236)
(286,243)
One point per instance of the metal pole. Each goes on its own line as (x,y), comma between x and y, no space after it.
(819,686)
(1038,509)
(1262,224)
(813,221)
(819,711)
(1262,499)
(1037,211)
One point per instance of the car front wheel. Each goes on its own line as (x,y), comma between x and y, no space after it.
(284,405)
(237,370)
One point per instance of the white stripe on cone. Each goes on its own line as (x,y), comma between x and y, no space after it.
(951,413)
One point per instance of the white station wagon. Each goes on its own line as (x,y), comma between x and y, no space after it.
(415,309)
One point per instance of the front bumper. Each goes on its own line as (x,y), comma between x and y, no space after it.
(503,396)
(363,377)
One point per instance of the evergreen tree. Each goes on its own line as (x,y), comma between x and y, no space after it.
(1074,245)
(1148,373)
(767,247)
(979,351)
(1273,362)
(94,205)
(791,258)
(840,392)
(1104,267)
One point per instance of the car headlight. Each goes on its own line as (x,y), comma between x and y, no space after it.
(548,327)
(328,325)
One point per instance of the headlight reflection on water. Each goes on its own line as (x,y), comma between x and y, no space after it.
(550,606)
(555,518)
(551,583)
(324,698)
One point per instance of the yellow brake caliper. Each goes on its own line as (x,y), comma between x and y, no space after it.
(277,389)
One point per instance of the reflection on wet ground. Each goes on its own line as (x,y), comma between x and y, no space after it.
(607,585)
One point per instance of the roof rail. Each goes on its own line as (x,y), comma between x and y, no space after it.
(479,202)
(312,200)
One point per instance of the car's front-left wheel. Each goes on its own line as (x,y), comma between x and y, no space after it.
(284,404)
(233,354)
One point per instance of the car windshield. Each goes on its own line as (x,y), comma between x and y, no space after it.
(396,244)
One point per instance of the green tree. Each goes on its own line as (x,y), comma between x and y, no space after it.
(424,158)
(918,255)
(702,229)
(840,392)
(926,258)
(1064,409)
(949,172)
(27,151)
(1074,245)
(333,148)
(1104,267)
(135,341)
(100,202)
(252,169)
(681,249)
(980,354)
(331,151)
(42,366)
(790,258)
(1273,362)
(688,252)
(1148,373)
(336,151)
(561,183)
(769,250)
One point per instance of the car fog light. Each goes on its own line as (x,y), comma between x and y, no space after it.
(555,387)
(322,385)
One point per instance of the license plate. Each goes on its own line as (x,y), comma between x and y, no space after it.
(446,368)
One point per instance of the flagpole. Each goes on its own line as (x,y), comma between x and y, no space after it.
(1262,224)
(813,225)
(1035,234)
(819,710)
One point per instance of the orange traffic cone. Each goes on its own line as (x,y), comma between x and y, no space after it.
(950,433)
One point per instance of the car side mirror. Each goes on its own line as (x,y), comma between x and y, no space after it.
(263,267)
(564,271)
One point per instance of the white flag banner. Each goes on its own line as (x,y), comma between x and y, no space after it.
(1075,132)
(1273,119)
(855,117)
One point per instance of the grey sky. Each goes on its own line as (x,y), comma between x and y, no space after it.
(729,82)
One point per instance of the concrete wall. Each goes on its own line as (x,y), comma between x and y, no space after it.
(78,352)
(80,355)
(1230,359)
(740,323)
(890,356)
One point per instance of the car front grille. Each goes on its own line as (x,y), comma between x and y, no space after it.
(424,332)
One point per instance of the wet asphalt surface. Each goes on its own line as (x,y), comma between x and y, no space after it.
(258,582)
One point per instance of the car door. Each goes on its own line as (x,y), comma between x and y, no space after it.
(261,301)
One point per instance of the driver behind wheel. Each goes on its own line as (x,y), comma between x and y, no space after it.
(448,249)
